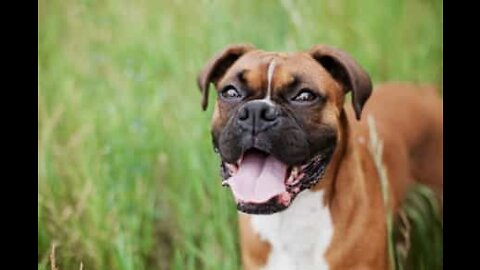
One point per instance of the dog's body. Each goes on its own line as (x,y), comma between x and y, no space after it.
(350,230)
(338,222)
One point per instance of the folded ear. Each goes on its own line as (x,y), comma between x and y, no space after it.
(217,66)
(347,72)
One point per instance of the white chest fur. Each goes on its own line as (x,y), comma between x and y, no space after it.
(299,235)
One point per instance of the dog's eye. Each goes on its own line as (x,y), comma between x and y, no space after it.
(230,92)
(304,95)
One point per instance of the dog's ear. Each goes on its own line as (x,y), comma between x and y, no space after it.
(216,67)
(346,71)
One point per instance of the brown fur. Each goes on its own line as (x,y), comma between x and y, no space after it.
(412,151)
(409,121)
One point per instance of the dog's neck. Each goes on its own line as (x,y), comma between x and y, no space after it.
(342,151)
(350,196)
(347,189)
(318,221)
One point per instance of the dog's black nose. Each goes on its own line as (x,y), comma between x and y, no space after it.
(257,116)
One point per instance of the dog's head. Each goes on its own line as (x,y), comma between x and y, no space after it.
(276,120)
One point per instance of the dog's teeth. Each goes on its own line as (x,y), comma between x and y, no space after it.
(295,171)
(232,168)
(289,180)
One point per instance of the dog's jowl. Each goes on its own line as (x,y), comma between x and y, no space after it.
(296,156)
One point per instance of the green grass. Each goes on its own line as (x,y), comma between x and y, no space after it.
(127,177)
(419,243)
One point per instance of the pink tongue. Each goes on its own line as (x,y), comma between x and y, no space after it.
(259,178)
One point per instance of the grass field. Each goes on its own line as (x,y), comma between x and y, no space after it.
(127,178)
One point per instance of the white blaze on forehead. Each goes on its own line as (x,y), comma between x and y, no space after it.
(270,71)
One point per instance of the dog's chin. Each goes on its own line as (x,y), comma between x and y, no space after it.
(270,207)
(262,184)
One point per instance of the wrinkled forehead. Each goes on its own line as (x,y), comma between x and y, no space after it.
(264,71)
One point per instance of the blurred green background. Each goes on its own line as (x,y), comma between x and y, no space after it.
(127,178)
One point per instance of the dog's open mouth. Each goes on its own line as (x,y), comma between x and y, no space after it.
(262,184)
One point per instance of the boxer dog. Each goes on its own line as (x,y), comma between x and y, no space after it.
(297,159)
